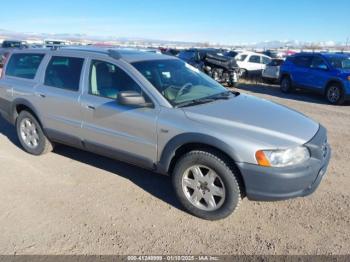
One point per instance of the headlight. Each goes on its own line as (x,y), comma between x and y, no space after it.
(282,158)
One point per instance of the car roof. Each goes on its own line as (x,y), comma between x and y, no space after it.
(128,54)
(325,54)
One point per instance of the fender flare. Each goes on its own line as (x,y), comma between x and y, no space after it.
(336,80)
(178,141)
(21,101)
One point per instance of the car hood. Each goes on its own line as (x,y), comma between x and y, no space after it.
(251,116)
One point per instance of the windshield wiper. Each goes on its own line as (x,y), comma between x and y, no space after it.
(195,102)
(224,95)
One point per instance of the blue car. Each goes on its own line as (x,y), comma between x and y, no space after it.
(325,73)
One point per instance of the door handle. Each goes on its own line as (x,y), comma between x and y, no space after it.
(40,95)
(91,107)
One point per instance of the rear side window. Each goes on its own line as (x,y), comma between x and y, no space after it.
(302,61)
(64,72)
(24,65)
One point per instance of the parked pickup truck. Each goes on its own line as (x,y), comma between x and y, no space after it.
(9,45)
(160,113)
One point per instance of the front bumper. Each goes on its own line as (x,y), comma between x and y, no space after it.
(272,183)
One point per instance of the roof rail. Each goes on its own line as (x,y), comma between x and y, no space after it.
(55,47)
(114,53)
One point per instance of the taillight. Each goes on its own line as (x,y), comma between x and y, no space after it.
(4,60)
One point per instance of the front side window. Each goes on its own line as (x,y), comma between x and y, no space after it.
(107,80)
(340,62)
(177,81)
(24,65)
(64,72)
(254,59)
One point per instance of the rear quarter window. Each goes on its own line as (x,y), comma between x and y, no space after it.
(24,65)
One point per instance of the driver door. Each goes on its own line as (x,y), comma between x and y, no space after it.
(123,132)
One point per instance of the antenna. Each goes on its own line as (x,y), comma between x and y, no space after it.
(114,53)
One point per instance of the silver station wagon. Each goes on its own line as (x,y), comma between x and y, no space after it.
(159,113)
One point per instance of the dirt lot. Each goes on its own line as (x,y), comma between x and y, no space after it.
(73,202)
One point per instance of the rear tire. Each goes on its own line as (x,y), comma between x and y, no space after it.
(286,85)
(31,135)
(206,185)
(335,94)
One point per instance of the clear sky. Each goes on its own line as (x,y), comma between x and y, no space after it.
(224,21)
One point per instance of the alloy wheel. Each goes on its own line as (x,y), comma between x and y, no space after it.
(29,133)
(333,94)
(203,188)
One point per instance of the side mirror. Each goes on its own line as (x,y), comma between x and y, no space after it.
(322,67)
(131,98)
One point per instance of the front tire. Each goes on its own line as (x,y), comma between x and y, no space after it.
(31,135)
(335,95)
(286,85)
(206,185)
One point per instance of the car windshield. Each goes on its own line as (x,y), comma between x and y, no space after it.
(241,57)
(179,82)
(340,62)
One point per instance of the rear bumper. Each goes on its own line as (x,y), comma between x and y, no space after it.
(269,183)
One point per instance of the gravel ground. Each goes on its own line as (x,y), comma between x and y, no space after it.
(73,202)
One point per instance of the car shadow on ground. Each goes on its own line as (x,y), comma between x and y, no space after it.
(274,90)
(155,184)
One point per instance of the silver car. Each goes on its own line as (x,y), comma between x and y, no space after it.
(158,112)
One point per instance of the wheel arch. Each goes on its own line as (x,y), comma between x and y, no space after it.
(20,105)
(333,81)
(285,74)
(184,143)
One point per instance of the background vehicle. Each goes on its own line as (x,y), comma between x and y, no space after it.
(158,112)
(276,54)
(251,63)
(272,71)
(170,51)
(9,45)
(55,43)
(325,73)
(214,63)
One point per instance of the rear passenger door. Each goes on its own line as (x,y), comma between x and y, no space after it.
(123,132)
(319,73)
(254,63)
(58,98)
